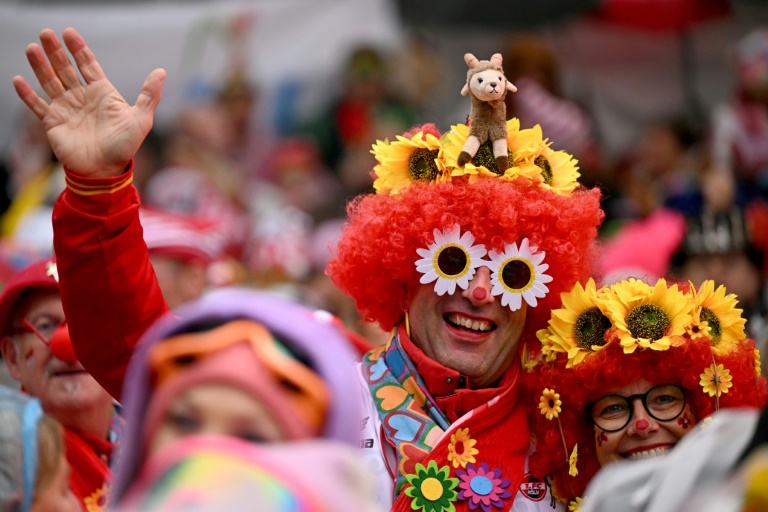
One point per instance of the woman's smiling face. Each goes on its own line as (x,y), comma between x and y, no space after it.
(644,436)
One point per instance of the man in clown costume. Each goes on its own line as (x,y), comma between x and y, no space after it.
(462,263)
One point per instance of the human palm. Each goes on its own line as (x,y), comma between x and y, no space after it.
(92,130)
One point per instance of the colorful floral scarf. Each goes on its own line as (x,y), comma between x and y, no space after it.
(477,462)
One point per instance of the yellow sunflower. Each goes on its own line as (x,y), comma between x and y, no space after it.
(549,403)
(575,505)
(578,328)
(572,460)
(758,369)
(716,380)
(718,317)
(404,161)
(556,170)
(461,449)
(648,317)
(484,163)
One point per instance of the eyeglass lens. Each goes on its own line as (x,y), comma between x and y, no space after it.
(663,403)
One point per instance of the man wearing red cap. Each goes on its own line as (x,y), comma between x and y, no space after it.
(37,350)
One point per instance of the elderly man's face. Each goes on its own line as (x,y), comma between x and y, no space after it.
(484,350)
(65,390)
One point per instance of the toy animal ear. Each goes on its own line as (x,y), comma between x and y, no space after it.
(471,60)
(496,59)
(465,90)
(510,87)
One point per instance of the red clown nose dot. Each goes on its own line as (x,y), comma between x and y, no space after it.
(642,424)
(61,345)
(478,293)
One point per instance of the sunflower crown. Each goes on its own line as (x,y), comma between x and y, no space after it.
(640,316)
(429,158)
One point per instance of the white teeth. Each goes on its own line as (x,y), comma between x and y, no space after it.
(647,454)
(475,325)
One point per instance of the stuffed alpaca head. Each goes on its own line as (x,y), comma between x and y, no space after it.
(485,78)
(487,86)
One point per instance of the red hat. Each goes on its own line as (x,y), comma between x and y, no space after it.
(180,237)
(40,275)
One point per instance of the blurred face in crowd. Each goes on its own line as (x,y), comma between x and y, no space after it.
(57,496)
(217,409)
(180,281)
(469,331)
(639,421)
(734,270)
(65,390)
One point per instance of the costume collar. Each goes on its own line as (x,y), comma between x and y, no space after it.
(448,387)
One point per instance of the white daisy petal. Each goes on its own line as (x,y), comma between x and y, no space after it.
(515,301)
(428,277)
(540,288)
(442,286)
(451,286)
(543,278)
(530,298)
(537,258)
(424,253)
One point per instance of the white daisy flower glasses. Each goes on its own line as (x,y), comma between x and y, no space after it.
(451,260)
(517,274)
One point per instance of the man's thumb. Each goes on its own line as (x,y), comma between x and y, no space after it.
(151,91)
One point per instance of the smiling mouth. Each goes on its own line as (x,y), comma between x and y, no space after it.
(468,324)
(647,454)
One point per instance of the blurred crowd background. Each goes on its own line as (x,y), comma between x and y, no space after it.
(270,109)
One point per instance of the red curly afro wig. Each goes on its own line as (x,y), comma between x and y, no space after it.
(376,254)
(611,368)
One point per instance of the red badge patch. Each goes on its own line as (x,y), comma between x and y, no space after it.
(533,488)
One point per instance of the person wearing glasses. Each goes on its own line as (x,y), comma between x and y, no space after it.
(38,352)
(461,263)
(240,368)
(626,371)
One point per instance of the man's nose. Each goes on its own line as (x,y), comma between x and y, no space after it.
(479,290)
(642,423)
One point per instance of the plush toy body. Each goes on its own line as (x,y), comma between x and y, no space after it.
(487,86)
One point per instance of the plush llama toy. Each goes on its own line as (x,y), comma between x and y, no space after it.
(487,86)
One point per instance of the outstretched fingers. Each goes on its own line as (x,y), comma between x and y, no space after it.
(59,60)
(30,98)
(151,91)
(44,72)
(86,62)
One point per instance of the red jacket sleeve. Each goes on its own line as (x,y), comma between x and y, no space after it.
(108,287)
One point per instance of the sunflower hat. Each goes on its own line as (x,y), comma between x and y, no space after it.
(608,337)
(433,222)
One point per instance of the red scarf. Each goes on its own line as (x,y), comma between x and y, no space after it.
(88,456)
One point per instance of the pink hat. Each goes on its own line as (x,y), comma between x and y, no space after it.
(643,249)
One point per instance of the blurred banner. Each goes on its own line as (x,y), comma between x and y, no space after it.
(290,50)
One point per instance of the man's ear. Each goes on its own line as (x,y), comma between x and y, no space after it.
(10,355)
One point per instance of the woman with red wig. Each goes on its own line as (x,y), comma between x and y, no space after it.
(628,370)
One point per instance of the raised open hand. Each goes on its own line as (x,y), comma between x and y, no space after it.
(93,131)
